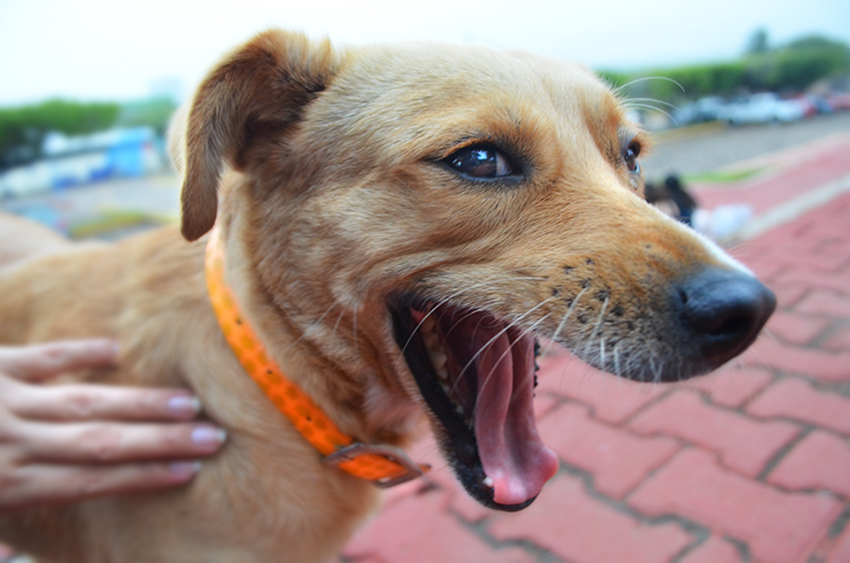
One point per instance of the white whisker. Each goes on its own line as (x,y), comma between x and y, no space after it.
(496,337)
(617,369)
(448,300)
(566,317)
(506,352)
(647,106)
(650,100)
(619,89)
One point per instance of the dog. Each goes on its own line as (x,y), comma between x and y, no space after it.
(397,225)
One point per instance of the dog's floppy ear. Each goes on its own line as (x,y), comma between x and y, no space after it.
(258,90)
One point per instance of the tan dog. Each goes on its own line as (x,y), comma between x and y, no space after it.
(400,223)
(24,240)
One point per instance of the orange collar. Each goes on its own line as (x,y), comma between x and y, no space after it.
(385,465)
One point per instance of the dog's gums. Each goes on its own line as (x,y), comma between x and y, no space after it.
(477,374)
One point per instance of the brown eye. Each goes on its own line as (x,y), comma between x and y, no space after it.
(630,157)
(480,162)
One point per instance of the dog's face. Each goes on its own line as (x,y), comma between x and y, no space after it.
(423,214)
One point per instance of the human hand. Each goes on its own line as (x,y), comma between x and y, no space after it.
(64,443)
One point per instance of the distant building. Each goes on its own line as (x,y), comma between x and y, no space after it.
(74,161)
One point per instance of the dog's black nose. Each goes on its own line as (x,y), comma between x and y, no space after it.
(725,310)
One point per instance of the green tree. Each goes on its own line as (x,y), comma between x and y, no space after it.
(155,113)
(758,42)
(22,129)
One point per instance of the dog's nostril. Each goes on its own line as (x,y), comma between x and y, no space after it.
(724,311)
(733,325)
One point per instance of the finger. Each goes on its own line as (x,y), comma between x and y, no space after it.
(42,361)
(37,485)
(99,402)
(91,442)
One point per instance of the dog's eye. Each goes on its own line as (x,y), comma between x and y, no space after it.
(630,157)
(480,161)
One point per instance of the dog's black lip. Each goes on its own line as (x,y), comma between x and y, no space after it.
(462,450)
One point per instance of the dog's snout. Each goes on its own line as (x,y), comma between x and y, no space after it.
(724,310)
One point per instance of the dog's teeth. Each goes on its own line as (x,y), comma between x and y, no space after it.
(445,387)
(442,373)
(431,340)
(438,359)
(459,410)
(428,324)
(488,482)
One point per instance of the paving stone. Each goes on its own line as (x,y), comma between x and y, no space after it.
(813,281)
(841,552)
(796,328)
(823,262)
(768,266)
(827,303)
(839,341)
(831,472)
(613,399)
(744,444)
(714,550)
(788,293)
(544,403)
(467,507)
(796,399)
(582,529)
(778,527)
(826,366)
(419,530)
(616,459)
(732,385)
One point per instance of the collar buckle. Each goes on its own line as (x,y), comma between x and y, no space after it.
(410,470)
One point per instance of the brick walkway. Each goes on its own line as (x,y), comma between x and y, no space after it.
(751,464)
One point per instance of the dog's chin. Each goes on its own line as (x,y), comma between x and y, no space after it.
(476,373)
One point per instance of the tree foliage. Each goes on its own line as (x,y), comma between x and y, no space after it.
(758,42)
(23,129)
(155,113)
(790,68)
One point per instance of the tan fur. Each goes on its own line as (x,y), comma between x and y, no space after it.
(320,165)
(24,239)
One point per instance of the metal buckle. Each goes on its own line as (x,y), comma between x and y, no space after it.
(396,455)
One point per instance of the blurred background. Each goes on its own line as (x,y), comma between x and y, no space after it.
(749,102)
(88,86)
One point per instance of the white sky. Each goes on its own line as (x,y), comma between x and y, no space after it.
(120,50)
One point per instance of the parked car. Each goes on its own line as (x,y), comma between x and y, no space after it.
(839,102)
(762,108)
(700,111)
(812,104)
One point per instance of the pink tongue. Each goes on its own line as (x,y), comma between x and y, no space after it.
(511,451)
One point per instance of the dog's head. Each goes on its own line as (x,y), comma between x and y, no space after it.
(423,214)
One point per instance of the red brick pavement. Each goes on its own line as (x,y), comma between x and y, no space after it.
(751,464)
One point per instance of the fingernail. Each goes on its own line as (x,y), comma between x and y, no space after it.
(184,468)
(184,406)
(208,436)
(105,345)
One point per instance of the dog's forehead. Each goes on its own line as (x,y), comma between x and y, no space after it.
(453,71)
(433,95)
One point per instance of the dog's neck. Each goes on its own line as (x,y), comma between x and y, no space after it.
(382,464)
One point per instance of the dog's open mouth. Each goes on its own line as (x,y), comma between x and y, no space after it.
(476,373)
